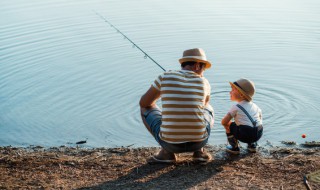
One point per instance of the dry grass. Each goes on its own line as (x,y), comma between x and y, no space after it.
(127,168)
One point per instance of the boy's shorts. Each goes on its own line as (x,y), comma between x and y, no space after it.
(245,133)
(153,119)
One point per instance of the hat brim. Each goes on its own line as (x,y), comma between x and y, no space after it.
(207,63)
(241,91)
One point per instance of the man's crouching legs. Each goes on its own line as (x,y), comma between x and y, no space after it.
(151,118)
(143,112)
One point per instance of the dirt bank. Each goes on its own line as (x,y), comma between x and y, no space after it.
(127,168)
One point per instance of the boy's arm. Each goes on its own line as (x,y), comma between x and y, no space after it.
(260,115)
(226,121)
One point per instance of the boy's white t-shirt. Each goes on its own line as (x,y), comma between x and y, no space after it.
(240,118)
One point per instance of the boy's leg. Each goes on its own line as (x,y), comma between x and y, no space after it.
(232,140)
(234,146)
(252,146)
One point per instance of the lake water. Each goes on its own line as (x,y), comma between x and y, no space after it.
(66,75)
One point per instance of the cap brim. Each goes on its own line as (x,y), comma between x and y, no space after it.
(207,63)
(241,91)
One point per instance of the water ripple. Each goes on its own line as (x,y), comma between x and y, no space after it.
(65,74)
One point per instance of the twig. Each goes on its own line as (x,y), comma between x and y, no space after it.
(288,156)
(250,180)
(126,170)
(119,151)
(305,181)
(129,145)
(83,158)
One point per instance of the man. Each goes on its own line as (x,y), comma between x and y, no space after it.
(186,118)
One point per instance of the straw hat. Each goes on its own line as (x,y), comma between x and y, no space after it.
(245,87)
(196,54)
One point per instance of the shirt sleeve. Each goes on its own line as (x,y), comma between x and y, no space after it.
(157,83)
(233,111)
(207,88)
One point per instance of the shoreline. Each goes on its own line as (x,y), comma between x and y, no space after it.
(127,168)
(266,144)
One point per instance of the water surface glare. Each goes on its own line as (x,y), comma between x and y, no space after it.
(66,75)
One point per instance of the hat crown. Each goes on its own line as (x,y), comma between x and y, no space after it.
(247,86)
(196,52)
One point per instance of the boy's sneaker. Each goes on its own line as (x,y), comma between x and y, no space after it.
(252,147)
(233,150)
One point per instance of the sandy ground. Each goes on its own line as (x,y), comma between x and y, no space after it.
(127,168)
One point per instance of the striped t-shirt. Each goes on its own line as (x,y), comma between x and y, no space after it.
(183,95)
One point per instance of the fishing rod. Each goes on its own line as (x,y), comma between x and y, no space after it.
(134,44)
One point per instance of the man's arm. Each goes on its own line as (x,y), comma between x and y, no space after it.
(207,100)
(149,98)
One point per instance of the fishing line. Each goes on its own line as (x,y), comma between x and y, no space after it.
(125,37)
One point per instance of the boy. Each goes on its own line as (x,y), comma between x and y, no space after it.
(247,125)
